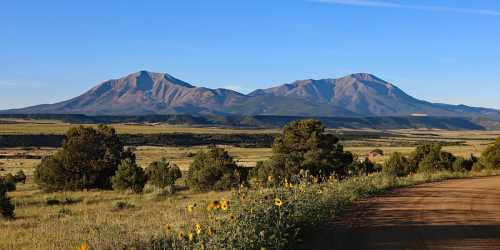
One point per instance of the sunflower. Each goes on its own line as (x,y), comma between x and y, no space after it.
(224,205)
(198,228)
(180,235)
(270,178)
(190,236)
(232,217)
(168,228)
(190,208)
(83,246)
(215,204)
(211,231)
(243,197)
(278,202)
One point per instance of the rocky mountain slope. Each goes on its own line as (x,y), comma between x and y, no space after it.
(157,93)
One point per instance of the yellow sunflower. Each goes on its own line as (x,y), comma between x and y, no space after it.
(211,231)
(84,246)
(198,228)
(168,228)
(278,202)
(190,236)
(224,205)
(270,178)
(232,218)
(180,235)
(190,208)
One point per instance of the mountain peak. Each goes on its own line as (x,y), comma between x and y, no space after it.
(148,78)
(364,77)
(145,92)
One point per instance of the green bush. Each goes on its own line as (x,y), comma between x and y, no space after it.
(463,165)
(362,167)
(9,182)
(20,177)
(396,165)
(304,145)
(490,158)
(213,169)
(6,207)
(428,153)
(88,159)
(163,174)
(129,176)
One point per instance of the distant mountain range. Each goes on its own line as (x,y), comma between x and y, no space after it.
(356,95)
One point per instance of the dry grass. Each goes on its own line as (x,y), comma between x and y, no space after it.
(55,127)
(94,218)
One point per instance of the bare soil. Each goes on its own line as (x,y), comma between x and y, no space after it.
(454,214)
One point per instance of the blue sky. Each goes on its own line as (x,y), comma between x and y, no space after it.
(440,50)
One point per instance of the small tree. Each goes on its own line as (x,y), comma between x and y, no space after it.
(20,177)
(6,207)
(9,182)
(396,165)
(304,145)
(213,169)
(362,167)
(462,165)
(88,159)
(163,174)
(490,158)
(129,176)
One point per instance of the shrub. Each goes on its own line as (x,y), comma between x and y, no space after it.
(163,174)
(6,207)
(462,165)
(428,152)
(129,176)
(362,167)
(396,165)
(88,159)
(9,182)
(20,177)
(304,145)
(490,158)
(122,205)
(213,169)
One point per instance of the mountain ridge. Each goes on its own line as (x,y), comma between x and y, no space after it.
(355,95)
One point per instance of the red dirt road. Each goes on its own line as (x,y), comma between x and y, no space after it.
(454,214)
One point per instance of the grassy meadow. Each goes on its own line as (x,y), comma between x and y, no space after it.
(111,219)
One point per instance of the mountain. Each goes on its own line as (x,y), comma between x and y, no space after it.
(356,95)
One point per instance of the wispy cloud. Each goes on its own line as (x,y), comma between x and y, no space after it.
(394,5)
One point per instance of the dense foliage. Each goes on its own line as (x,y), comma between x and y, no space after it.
(163,174)
(9,182)
(490,159)
(430,157)
(396,165)
(6,207)
(20,177)
(88,159)
(213,169)
(129,176)
(165,139)
(305,146)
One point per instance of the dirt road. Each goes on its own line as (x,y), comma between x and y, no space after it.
(454,214)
